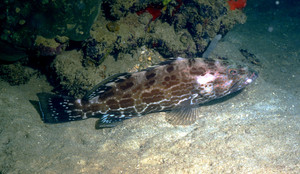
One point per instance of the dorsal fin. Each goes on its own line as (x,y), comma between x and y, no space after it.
(102,85)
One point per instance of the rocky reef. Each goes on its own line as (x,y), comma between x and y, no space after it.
(22,21)
(108,33)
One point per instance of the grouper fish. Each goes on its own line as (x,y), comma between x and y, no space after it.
(177,86)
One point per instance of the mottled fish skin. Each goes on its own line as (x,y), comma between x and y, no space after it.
(172,85)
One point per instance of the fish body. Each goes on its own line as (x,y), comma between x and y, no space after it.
(177,86)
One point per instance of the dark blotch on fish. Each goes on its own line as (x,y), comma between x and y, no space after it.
(127,85)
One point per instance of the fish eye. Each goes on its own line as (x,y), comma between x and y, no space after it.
(232,71)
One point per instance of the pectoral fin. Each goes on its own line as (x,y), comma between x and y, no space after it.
(183,116)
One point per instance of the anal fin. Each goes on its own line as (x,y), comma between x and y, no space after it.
(109,121)
(100,125)
(183,116)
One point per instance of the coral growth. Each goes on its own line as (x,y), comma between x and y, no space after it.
(93,52)
(237,4)
(15,73)
(50,47)
(154,10)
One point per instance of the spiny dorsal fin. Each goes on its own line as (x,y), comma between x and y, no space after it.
(102,85)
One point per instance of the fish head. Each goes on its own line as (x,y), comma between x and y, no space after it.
(232,77)
(223,77)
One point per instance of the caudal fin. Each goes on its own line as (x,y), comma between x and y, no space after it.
(57,109)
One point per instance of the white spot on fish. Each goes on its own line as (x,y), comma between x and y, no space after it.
(180,58)
(78,101)
(110,84)
(84,116)
(94,100)
(205,79)
(248,80)
(122,77)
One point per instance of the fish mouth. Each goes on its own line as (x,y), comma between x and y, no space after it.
(253,75)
